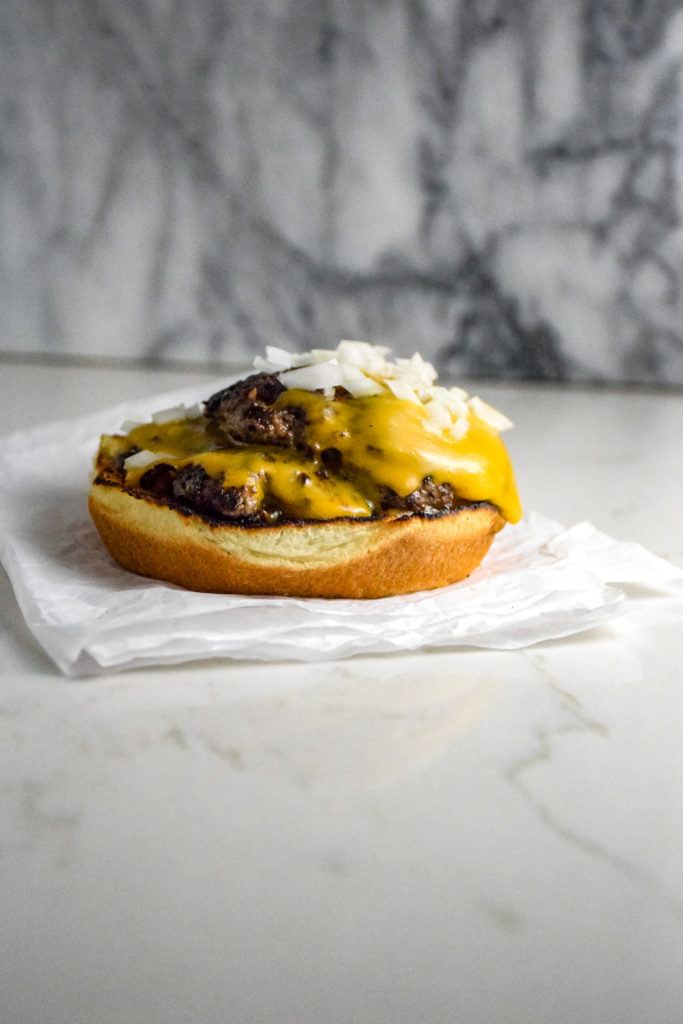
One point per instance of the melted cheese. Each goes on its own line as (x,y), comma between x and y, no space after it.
(382,440)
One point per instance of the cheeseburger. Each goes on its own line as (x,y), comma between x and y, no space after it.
(332,473)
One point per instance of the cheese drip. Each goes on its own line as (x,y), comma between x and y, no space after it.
(382,440)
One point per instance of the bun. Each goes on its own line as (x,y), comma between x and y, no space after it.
(335,473)
(354,558)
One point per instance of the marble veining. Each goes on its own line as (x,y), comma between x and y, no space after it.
(574,720)
(495,182)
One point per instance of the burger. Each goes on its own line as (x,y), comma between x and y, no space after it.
(336,473)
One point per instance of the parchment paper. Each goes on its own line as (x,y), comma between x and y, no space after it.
(539,581)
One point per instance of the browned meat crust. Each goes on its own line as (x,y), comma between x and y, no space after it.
(191,488)
(429,499)
(243,413)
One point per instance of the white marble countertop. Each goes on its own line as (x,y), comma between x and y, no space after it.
(460,837)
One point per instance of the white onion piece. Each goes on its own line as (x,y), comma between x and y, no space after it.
(451,398)
(321,355)
(358,382)
(310,378)
(424,394)
(415,385)
(265,365)
(280,356)
(417,368)
(403,390)
(440,394)
(438,416)
(144,458)
(276,359)
(459,428)
(458,394)
(369,358)
(483,411)
(177,412)
(363,387)
(129,425)
(457,407)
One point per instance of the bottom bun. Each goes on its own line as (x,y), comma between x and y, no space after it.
(353,558)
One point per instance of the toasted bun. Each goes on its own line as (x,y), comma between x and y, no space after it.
(353,558)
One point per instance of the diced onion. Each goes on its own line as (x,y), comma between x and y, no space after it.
(457,407)
(265,365)
(322,355)
(459,428)
(139,460)
(277,360)
(483,411)
(310,378)
(370,358)
(438,416)
(457,394)
(364,370)
(402,390)
(418,369)
(177,412)
(129,425)
(279,356)
(363,387)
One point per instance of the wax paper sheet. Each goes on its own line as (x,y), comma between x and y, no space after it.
(540,580)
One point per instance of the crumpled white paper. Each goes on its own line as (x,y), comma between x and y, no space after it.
(539,581)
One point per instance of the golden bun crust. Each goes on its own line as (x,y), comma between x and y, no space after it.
(351,558)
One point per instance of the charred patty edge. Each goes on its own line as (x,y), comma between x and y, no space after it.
(262,523)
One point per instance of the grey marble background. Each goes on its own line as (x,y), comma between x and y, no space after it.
(497,183)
